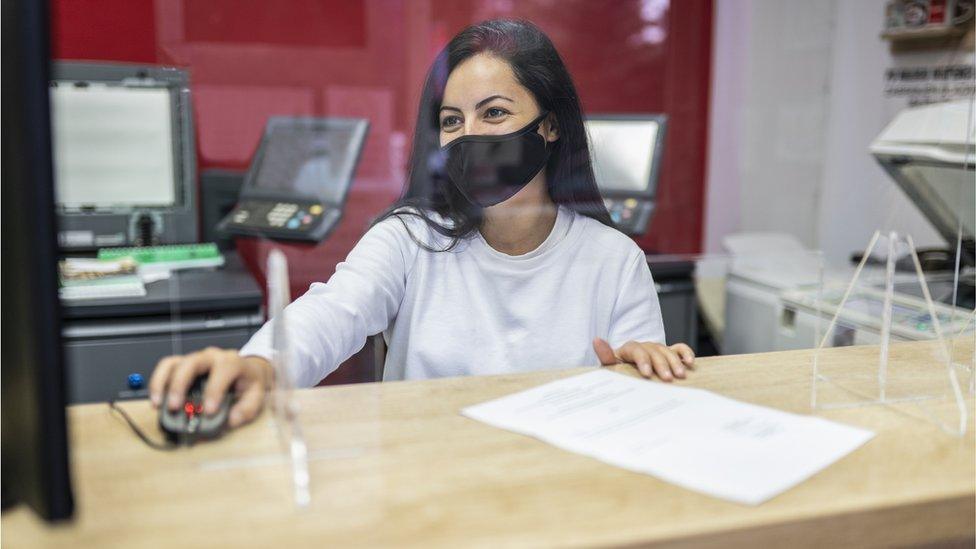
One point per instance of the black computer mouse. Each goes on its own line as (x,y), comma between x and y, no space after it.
(188,424)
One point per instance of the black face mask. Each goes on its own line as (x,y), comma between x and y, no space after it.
(490,169)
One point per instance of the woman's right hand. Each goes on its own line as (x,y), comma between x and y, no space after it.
(249,377)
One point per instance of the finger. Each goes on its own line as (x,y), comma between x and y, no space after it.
(604,352)
(636,354)
(248,405)
(674,361)
(660,364)
(160,378)
(225,369)
(185,372)
(685,352)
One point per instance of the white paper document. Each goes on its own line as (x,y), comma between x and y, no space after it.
(690,437)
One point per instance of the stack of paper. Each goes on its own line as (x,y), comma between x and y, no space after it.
(690,437)
(95,279)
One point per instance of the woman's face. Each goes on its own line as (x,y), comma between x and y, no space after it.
(482,97)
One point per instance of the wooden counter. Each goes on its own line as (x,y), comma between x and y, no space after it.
(395,464)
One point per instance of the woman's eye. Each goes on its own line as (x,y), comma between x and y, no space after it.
(495,112)
(449,121)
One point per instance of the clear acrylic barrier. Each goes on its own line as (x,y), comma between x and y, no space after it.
(923,358)
(287,447)
(284,408)
(917,348)
(278,445)
(791,170)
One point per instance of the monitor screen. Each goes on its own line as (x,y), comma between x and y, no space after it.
(623,153)
(113,146)
(307,159)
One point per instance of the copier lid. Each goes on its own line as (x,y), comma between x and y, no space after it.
(929,152)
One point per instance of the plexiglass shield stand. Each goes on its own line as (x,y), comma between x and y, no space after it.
(920,350)
(283,406)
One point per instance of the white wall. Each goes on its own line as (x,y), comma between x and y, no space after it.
(797,97)
(858,196)
(771,68)
(725,124)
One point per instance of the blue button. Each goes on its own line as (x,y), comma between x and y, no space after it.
(615,216)
(293,223)
(136,381)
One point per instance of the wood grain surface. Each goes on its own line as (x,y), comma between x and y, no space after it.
(394,464)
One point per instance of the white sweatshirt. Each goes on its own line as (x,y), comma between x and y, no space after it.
(473,310)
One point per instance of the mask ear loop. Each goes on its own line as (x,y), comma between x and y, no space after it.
(542,118)
(531,127)
(537,123)
(534,127)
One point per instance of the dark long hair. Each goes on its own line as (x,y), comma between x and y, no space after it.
(538,67)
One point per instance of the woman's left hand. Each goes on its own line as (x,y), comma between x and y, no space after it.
(667,362)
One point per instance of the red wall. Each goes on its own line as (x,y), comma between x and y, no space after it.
(250,59)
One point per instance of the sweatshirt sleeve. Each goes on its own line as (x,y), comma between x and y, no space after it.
(637,312)
(331,321)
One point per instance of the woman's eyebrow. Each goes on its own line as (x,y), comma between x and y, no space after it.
(480,104)
(487,100)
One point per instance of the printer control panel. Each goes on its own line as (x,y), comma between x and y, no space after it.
(630,215)
(288,220)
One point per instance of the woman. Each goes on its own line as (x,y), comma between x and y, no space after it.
(499,258)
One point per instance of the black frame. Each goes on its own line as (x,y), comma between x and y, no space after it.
(35,439)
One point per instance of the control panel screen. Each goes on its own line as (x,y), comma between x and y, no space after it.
(623,153)
(306,161)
